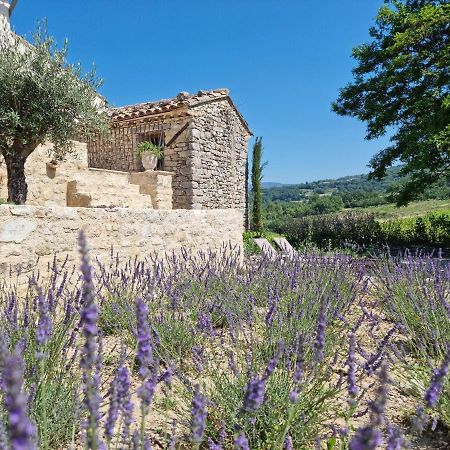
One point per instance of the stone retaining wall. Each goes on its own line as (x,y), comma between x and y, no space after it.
(72,183)
(31,235)
(47,188)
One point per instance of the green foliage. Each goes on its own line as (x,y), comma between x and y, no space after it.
(361,229)
(257,175)
(42,97)
(149,147)
(363,199)
(413,209)
(431,230)
(332,230)
(401,81)
(279,212)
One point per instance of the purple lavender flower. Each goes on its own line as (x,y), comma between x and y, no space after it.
(288,445)
(369,437)
(366,438)
(173,437)
(125,404)
(89,359)
(272,364)
(4,353)
(88,292)
(433,393)
(254,396)
(198,416)
(205,324)
(222,434)
(147,444)
(213,446)
(144,354)
(241,442)
(146,392)
(378,406)
(135,440)
(22,433)
(270,313)
(419,420)
(166,376)
(113,411)
(232,365)
(3,437)
(351,363)
(293,396)
(298,373)
(198,357)
(44,327)
(376,359)
(320,333)
(396,441)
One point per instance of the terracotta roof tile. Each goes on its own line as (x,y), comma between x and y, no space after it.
(182,100)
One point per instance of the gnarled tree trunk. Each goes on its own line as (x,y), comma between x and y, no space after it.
(17,185)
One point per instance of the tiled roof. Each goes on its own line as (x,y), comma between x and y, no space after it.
(183,99)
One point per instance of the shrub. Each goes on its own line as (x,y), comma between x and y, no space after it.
(430,230)
(333,230)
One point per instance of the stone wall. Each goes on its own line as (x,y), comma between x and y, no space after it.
(219,157)
(4,17)
(46,187)
(155,183)
(29,236)
(72,183)
(105,188)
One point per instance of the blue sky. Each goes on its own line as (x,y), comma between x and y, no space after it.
(283,60)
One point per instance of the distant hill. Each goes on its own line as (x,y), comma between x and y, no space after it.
(348,184)
(271,184)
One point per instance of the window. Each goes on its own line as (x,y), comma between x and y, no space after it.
(155,137)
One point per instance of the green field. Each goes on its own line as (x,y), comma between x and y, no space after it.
(414,209)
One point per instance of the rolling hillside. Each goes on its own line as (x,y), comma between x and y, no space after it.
(352,184)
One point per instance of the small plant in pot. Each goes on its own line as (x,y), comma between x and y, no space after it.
(149,153)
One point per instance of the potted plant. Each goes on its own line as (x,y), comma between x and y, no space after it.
(149,153)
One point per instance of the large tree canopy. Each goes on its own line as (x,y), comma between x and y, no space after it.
(402,85)
(42,97)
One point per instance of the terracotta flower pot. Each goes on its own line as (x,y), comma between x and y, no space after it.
(50,168)
(149,161)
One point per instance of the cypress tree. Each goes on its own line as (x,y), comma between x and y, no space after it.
(257,175)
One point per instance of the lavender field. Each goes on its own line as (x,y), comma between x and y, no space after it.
(207,352)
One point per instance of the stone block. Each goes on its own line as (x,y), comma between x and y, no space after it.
(16,230)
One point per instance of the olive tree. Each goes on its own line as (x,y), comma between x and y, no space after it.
(42,98)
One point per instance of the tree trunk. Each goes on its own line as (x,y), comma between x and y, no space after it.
(17,185)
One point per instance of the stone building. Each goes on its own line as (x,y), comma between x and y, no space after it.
(205,142)
(4,17)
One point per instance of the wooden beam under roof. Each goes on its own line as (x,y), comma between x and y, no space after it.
(12,6)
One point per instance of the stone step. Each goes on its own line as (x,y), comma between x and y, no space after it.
(105,188)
